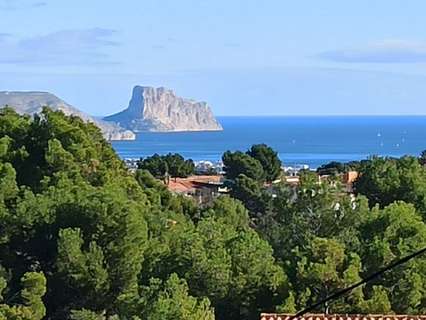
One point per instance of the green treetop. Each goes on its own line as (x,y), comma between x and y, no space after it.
(236,163)
(269,160)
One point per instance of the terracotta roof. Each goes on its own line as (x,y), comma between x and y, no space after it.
(206,179)
(186,185)
(181,186)
(265,316)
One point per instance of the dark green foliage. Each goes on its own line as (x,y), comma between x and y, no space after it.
(28,305)
(236,163)
(170,300)
(85,315)
(178,166)
(103,236)
(332,168)
(385,180)
(84,239)
(422,158)
(211,257)
(160,197)
(70,209)
(230,211)
(246,175)
(398,231)
(269,160)
(260,163)
(173,165)
(154,165)
(51,145)
(251,193)
(326,240)
(335,168)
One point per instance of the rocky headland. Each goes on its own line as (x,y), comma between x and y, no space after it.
(161,110)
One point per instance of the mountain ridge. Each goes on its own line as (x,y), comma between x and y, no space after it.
(32,102)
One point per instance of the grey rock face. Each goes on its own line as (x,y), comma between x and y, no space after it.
(159,109)
(33,102)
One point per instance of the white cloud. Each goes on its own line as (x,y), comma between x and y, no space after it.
(20,4)
(39,4)
(4,36)
(67,47)
(386,51)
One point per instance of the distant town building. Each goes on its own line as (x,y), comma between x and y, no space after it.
(131,163)
(291,173)
(294,170)
(209,167)
(292,180)
(203,189)
(348,180)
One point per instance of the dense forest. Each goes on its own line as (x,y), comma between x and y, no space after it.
(83,238)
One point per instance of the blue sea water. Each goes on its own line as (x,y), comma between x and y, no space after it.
(298,140)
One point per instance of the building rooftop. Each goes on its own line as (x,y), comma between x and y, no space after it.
(185,185)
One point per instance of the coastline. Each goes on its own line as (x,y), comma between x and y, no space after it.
(309,141)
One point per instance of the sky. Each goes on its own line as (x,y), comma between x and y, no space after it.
(244,57)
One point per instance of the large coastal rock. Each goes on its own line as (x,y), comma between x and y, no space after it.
(33,102)
(159,109)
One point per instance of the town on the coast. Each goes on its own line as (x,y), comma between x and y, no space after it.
(208,179)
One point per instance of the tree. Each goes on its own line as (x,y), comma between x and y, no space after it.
(230,211)
(257,281)
(251,193)
(160,196)
(324,269)
(31,306)
(333,168)
(385,180)
(173,165)
(391,234)
(236,163)
(33,290)
(69,208)
(171,300)
(378,303)
(154,165)
(269,160)
(83,238)
(33,143)
(422,158)
(178,166)
(220,258)
(85,314)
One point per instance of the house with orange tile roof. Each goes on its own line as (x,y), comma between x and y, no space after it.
(204,189)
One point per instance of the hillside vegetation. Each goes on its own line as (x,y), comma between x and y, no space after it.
(82,238)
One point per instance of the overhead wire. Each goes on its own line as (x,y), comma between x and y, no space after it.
(371,277)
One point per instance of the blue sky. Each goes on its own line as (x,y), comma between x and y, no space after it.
(245,57)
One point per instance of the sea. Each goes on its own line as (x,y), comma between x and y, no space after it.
(311,141)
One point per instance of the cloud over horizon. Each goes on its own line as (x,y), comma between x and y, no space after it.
(386,51)
(39,4)
(4,36)
(20,4)
(66,47)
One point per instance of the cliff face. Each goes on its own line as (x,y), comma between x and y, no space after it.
(33,102)
(159,109)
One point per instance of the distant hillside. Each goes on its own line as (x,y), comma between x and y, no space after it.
(159,109)
(33,102)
